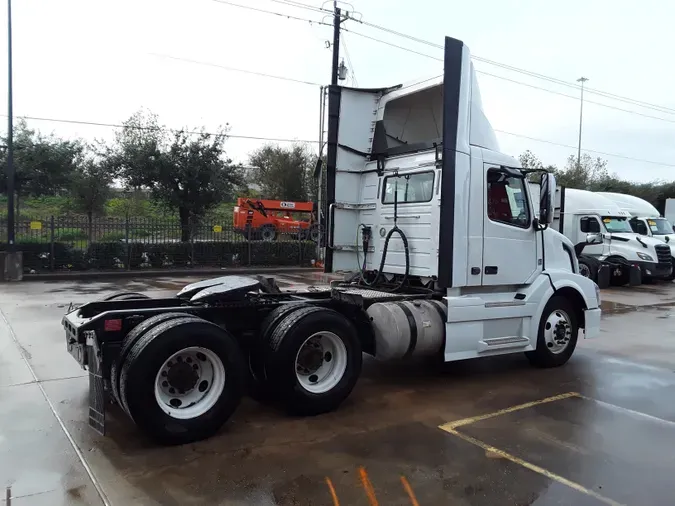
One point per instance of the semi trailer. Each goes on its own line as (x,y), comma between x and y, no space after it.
(444,254)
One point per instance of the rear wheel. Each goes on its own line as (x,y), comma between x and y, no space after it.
(131,338)
(267,233)
(313,360)
(182,380)
(558,332)
(314,232)
(258,387)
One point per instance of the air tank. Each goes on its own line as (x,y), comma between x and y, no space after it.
(406,329)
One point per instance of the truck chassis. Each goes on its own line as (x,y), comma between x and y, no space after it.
(179,366)
(243,321)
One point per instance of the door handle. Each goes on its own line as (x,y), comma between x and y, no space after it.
(491,269)
(331,232)
(413,216)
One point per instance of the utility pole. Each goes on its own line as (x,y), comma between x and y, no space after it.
(10,137)
(337,19)
(581,80)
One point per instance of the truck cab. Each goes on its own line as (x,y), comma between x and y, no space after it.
(421,197)
(587,212)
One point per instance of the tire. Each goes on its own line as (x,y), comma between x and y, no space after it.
(142,388)
(339,344)
(672,274)
(267,233)
(545,356)
(314,232)
(588,267)
(258,387)
(129,340)
(125,296)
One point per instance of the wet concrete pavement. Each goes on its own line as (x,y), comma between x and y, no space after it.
(604,438)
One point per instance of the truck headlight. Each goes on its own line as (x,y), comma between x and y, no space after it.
(645,256)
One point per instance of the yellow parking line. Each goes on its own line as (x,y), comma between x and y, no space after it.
(535,468)
(368,487)
(408,490)
(466,421)
(333,494)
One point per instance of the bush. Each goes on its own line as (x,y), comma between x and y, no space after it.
(71,235)
(116,255)
(112,237)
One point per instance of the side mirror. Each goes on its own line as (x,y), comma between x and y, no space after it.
(593,238)
(546,198)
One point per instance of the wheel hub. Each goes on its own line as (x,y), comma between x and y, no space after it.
(321,362)
(557,331)
(182,376)
(310,358)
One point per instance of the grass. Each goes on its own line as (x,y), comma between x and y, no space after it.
(119,208)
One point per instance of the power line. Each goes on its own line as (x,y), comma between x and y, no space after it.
(175,130)
(575,98)
(392,44)
(614,155)
(233,69)
(514,80)
(613,96)
(265,11)
(301,5)
(281,139)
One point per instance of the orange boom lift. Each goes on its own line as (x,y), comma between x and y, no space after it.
(266,220)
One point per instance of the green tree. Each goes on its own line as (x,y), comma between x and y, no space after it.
(188,172)
(589,174)
(90,190)
(44,164)
(284,173)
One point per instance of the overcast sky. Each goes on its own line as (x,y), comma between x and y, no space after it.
(100,60)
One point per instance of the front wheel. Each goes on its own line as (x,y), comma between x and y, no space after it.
(588,268)
(672,274)
(558,332)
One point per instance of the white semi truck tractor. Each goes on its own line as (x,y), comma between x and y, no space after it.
(440,260)
(584,212)
(646,220)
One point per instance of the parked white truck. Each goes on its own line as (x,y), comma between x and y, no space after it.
(443,260)
(586,212)
(645,220)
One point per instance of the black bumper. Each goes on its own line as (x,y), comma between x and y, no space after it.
(655,270)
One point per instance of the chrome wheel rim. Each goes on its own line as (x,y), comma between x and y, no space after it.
(557,331)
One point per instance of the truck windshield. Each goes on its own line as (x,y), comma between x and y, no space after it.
(616,225)
(659,226)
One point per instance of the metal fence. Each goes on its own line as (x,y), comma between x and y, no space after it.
(75,243)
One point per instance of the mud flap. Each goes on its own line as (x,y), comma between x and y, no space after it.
(604,276)
(97,393)
(635,276)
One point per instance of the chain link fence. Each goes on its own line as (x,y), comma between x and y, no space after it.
(74,243)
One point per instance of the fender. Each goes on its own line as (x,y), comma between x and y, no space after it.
(543,291)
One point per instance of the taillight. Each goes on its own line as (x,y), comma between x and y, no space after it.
(112,325)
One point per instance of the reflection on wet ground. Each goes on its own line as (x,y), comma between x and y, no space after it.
(603,438)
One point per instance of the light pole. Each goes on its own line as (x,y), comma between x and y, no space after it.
(581,80)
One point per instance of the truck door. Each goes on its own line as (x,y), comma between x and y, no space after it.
(509,246)
(591,225)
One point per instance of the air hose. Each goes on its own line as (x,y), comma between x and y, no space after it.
(395,230)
